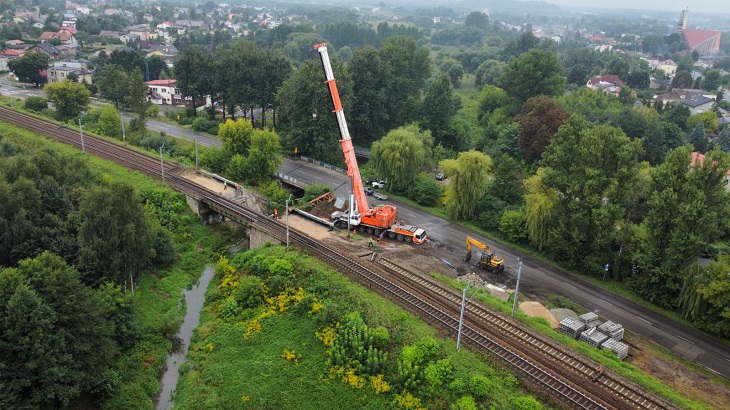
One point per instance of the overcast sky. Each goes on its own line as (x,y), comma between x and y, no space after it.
(705,6)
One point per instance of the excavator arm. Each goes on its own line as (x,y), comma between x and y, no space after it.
(471,241)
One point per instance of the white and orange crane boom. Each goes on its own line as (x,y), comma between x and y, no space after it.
(379,220)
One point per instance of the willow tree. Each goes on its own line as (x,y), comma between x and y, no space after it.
(539,203)
(469,175)
(399,156)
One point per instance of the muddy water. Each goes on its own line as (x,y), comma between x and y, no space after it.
(194,299)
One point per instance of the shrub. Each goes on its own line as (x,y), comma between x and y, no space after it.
(281,267)
(201,124)
(438,373)
(513,225)
(426,192)
(36,104)
(185,121)
(250,292)
(315,190)
(153,111)
(527,403)
(153,142)
(465,403)
(481,386)
(214,159)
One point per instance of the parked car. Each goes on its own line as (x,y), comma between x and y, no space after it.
(368,190)
(370,180)
(440,176)
(380,196)
(378,184)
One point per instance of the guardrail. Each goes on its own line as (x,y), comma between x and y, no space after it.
(292,181)
(323,164)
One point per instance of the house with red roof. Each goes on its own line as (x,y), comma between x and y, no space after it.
(702,41)
(610,83)
(164,92)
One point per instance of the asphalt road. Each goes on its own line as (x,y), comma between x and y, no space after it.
(536,277)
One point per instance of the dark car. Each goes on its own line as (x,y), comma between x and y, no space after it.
(440,176)
(371,180)
(368,190)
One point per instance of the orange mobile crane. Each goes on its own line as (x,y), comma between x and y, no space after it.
(380,220)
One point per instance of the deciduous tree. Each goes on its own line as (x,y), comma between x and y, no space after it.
(112,83)
(264,156)
(29,67)
(115,237)
(540,119)
(685,204)
(70,98)
(593,170)
(534,73)
(468,175)
(438,109)
(236,136)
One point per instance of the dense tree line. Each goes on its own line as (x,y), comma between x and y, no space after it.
(71,241)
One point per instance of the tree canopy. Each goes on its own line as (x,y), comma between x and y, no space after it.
(533,73)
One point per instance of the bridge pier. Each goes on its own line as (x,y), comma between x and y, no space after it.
(258,238)
(207,215)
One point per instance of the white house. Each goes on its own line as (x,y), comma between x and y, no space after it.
(164,92)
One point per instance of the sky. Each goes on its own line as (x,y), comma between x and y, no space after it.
(704,6)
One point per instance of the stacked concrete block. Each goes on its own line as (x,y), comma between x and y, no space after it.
(590,319)
(614,330)
(593,337)
(619,348)
(571,327)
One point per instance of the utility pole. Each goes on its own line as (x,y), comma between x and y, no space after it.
(286,210)
(124,134)
(196,152)
(81,133)
(162,164)
(461,317)
(517,287)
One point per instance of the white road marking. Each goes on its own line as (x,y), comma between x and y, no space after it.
(567,284)
(644,320)
(602,300)
(680,337)
(713,371)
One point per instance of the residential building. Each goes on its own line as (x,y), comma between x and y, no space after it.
(50,50)
(668,66)
(610,83)
(112,35)
(164,92)
(698,104)
(61,70)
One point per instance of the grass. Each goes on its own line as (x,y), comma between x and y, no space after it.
(227,370)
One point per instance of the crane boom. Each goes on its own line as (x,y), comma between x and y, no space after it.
(353,171)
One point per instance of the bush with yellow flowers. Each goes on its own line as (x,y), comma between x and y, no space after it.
(291,356)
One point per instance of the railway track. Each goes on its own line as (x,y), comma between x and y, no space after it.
(556,371)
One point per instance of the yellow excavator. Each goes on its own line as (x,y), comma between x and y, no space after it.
(488,260)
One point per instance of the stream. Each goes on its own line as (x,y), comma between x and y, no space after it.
(194,299)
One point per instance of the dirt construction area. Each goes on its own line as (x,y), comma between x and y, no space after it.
(697,385)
